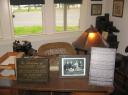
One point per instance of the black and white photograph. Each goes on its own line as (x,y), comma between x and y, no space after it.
(73,66)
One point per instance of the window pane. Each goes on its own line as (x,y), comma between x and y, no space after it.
(27,19)
(73,16)
(59,17)
(67,17)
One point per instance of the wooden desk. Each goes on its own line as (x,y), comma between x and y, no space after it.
(77,86)
(7,62)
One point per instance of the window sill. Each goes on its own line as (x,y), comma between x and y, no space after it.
(48,36)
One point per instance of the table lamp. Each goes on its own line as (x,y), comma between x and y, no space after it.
(90,38)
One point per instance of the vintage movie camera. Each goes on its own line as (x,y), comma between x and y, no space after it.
(24,46)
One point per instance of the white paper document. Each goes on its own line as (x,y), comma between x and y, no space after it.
(102,66)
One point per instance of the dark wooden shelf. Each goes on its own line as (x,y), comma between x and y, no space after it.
(121,81)
(117,70)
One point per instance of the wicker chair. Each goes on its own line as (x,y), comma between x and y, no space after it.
(53,50)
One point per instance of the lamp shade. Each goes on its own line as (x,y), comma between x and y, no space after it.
(90,38)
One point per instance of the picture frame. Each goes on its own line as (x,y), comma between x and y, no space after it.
(118,6)
(71,66)
(32,70)
(96,9)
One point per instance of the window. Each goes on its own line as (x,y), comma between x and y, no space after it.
(31,16)
(27,17)
(67,17)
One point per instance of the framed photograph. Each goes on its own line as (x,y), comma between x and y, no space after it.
(73,66)
(118,6)
(96,9)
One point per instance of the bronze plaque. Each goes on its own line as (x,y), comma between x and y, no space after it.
(32,69)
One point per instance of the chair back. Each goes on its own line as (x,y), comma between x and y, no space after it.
(56,48)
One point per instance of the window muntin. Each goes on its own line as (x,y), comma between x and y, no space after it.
(0,29)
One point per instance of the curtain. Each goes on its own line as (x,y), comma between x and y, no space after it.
(26,2)
(68,1)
